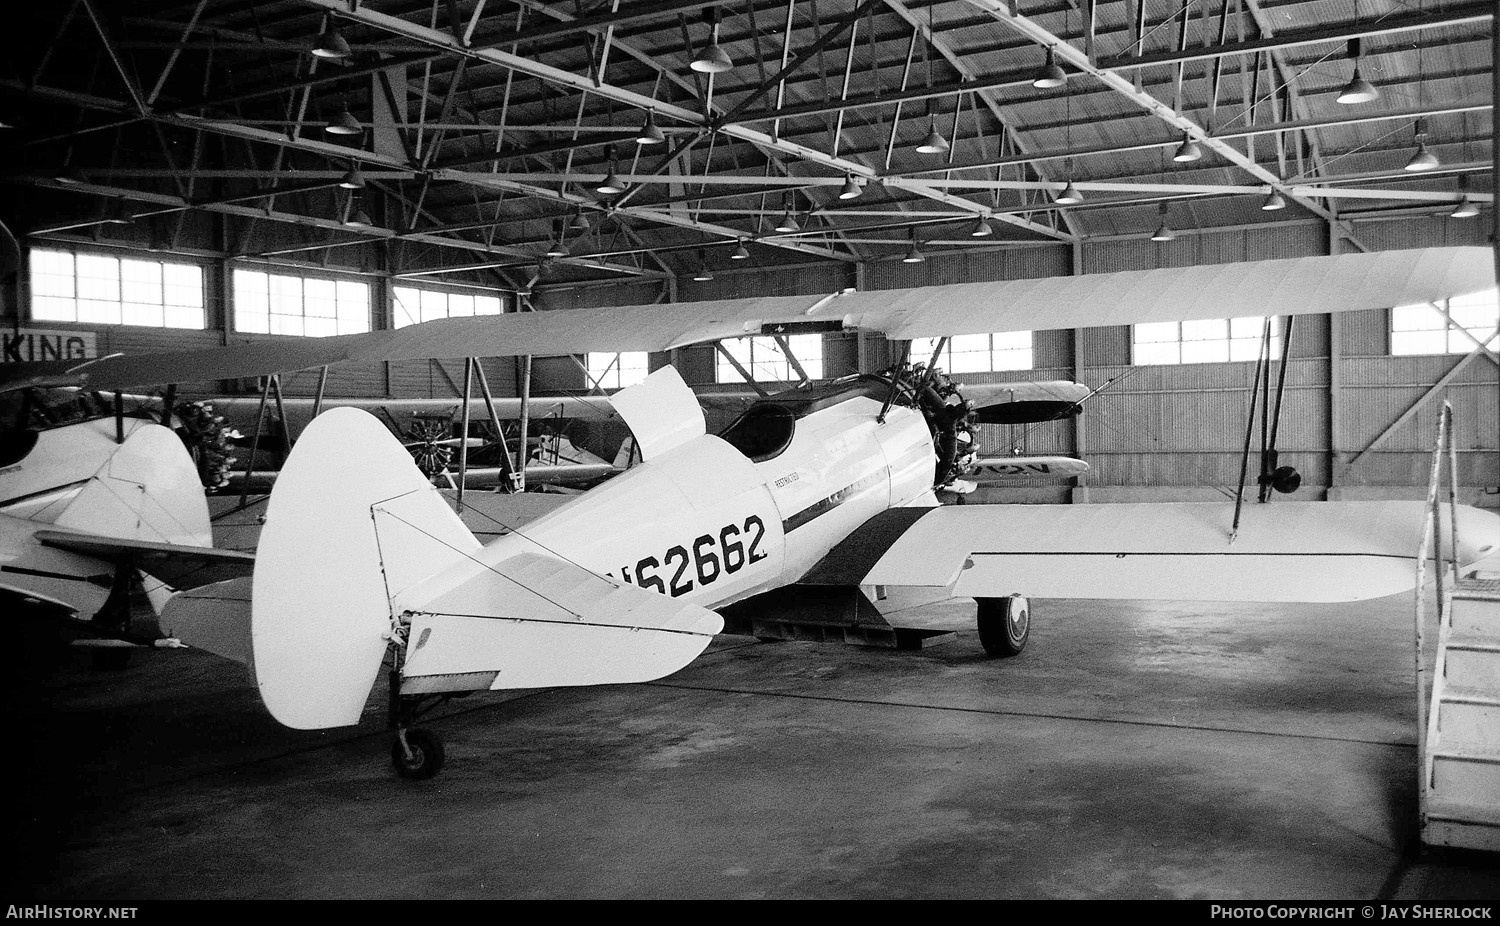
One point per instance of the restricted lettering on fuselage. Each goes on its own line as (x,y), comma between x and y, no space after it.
(708,558)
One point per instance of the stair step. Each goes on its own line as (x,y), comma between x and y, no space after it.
(1468,753)
(1464,813)
(1473,642)
(1470,694)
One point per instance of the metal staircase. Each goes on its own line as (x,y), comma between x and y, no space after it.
(1459,738)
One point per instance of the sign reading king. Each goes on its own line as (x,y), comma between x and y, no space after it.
(28,344)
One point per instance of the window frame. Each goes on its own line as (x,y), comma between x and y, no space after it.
(120,286)
(616,368)
(922,348)
(448,295)
(1453,336)
(1228,340)
(751,343)
(238,302)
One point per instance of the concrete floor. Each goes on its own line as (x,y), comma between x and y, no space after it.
(1134,751)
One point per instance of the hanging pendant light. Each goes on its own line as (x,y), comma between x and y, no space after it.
(344,123)
(1422,160)
(1069,195)
(1466,209)
(650,133)
(713,59)
(353,179)
(579,222)
(981,228)
(1273,201)
(331,45)
(1163,231)
(740,251)
(1188,150)
(914,254)
(611,184)
(934,143)
(788,222)
(851,189)
(703,275)
(1051,76)
(1357,90)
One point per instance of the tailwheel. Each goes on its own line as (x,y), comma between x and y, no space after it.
(1004,625)
(417,754)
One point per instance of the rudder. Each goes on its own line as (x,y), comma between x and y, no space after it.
(351,523)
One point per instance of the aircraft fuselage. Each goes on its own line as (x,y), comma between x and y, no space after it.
(706,523)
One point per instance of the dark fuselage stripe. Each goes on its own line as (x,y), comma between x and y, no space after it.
(820,508)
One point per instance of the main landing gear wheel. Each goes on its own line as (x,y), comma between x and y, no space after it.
(417,754)
(1004,625)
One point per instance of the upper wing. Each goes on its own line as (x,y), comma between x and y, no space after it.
(1276,287)
(1286,551)
(178,565)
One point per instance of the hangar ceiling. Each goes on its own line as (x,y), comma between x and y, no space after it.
(482,131)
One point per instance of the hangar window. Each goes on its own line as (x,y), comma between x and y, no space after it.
(413,306)
(977,353)
(766,361)
(616,371)
(1213,340)
(99,289)
(275,303)
(1420,329)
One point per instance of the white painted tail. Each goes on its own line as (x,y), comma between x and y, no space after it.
(351,524)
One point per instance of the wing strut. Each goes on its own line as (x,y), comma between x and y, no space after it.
(1280,478)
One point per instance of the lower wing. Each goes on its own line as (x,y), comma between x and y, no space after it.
(1293,551)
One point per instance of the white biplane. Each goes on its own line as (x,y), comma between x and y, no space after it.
(90,498)
(815,494)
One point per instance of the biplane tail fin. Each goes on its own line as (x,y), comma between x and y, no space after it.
(351,524)
(148,490)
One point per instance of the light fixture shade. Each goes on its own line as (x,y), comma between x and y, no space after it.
(914,255)
(557,249)
(1188,150)
(1162,233)
(353,180)
(359,218)
(579,222)
(1423,159)
(1051,75)
(712,60)
(703,275)
(981,228)
(70,175)
(1069,195)
(934,143)
(1466,209)
(1273,201)
(650,133)
(1358,90)
(851,188)
(344,124)
(788,223)
(332,44)
(740,252)
(611,184)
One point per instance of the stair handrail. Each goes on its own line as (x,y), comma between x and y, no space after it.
(1432,542)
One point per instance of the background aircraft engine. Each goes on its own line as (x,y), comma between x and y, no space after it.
(950,418)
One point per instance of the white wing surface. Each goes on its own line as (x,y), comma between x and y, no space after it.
(1276,287)
(1288,551)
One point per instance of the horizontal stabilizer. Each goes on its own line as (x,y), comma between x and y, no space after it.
(534,622)
(1285,551)
(177,565)
(214,617)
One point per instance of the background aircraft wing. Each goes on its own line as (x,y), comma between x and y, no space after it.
(178,565)
(1293,551)
(1275,287)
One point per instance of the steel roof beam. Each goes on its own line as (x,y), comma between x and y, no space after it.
(584,84)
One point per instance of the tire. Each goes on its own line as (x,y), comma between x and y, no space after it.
(426,758)
(1004,625)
